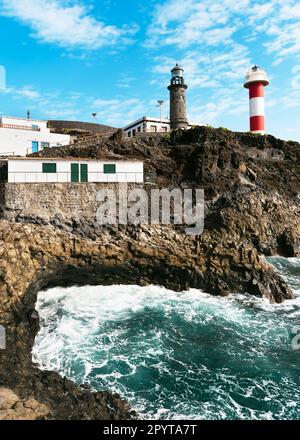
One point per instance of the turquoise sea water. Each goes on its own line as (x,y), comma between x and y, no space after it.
(178,355)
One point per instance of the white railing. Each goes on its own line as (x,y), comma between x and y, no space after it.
(19,127)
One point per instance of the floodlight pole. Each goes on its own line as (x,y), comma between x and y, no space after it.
(160,104)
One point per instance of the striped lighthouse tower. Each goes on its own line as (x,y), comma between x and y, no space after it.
(256,80)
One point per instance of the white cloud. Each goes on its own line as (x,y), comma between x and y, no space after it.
(69,25)
(195,22)
(28,93)
(285,40)
(49,105)
(119,112)
(260,11)
(172,11)
(23,92)
(233,103)
(125,81)
(209,69)
(279,21)
(290,11)
(296,78)
(206,23)
(59,105)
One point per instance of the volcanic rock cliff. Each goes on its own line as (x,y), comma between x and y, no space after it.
(252,208)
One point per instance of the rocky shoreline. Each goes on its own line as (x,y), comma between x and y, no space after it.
(252,208)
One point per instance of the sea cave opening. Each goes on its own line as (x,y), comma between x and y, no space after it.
(184,354)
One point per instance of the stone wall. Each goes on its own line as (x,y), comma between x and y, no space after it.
(46,201)
(2,197)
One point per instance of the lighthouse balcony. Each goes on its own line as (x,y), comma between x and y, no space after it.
(256,75)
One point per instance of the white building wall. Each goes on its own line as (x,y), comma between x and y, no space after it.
(31,171)
(147,125)
(158,125)
(18,141)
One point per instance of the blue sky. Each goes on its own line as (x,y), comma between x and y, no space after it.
(65,59)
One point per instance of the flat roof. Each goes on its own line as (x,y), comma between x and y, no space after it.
(146,119)
(23,119)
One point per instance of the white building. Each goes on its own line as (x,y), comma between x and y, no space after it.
(150,125)
(59,170)
(20,136)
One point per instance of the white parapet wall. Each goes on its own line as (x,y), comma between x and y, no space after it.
(38,170)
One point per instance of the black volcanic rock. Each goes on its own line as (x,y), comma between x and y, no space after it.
(79,128)
(251,186)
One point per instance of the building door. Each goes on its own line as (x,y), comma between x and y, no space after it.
(35,146)
(79,174)
(83,172)
(74,172)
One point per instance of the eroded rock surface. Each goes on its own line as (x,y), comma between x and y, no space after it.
(12,407)
(252,208)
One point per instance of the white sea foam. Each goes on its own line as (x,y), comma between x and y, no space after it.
(176,355)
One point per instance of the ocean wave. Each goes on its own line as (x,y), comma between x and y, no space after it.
(177,355)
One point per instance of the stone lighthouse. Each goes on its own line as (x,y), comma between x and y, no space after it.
(177,89)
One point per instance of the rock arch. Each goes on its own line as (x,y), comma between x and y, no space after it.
(35,257)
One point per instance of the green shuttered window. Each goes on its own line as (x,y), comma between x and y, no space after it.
(49,167)
(109,168)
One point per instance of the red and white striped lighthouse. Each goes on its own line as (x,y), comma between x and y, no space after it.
(256,81)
